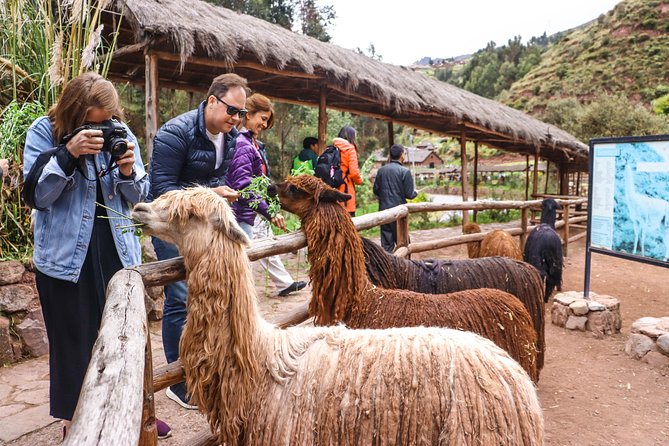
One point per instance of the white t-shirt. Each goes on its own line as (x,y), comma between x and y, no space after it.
(217,139)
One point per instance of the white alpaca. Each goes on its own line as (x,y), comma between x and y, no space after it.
(647,213)
(260,385)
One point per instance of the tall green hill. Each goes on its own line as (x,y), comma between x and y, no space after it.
(624,52)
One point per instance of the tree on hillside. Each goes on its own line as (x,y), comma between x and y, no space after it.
(618,116)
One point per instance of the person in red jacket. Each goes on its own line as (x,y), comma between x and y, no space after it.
(348,150)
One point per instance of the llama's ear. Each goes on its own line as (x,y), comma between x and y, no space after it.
(231,230)
(332,196)
(237,234)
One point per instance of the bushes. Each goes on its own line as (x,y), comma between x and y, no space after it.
(15,236)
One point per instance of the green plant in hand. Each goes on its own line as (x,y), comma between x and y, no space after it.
(256,193)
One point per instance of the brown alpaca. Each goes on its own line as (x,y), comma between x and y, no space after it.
(260,385)
(342,291)
(495,243)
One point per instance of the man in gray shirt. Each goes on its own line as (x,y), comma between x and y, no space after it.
(393,186)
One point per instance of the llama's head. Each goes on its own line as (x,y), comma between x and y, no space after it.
(549,205)
(190,218)
(471,228)
(301,194)
(548,211)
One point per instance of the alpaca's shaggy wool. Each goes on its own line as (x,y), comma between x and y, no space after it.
(446,276)
(343,293)
(260,385)
(495,243)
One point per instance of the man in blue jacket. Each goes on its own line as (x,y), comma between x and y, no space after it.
(393,186)
(194,148)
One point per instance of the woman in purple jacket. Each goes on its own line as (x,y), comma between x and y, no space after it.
(249,161)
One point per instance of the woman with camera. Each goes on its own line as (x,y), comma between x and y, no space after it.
(94,160)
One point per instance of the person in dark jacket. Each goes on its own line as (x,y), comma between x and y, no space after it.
(194,148)
(393,186)
(253,214)
(307,157)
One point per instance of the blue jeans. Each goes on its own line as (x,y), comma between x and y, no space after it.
(176,297)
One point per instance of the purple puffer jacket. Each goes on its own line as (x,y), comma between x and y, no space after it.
(245,165)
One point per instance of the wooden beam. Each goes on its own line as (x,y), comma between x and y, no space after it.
(109,410)
(231,66)
(527,177)
(463,173)
(548,171)
(564,180)
(148,435)
(151,95)
(391,134)
(535,181)
(322,119)
(476,173)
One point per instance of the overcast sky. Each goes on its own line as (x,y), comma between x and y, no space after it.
(405,31)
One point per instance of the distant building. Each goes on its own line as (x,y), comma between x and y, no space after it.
(413,156)
(422,158)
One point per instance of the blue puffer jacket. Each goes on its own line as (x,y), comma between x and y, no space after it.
(184,156)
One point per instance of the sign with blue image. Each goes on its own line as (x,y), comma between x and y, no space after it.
(629,198)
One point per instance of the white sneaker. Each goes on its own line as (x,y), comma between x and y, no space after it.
(174,397)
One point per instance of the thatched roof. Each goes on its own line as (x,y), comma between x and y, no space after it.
(195,41)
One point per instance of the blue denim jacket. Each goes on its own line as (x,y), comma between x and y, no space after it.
(63,230)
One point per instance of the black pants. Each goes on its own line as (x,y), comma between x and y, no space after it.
(389,236)
(72,314)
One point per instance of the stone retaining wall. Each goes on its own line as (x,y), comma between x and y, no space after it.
(649,341)
(22,331)
(600,314)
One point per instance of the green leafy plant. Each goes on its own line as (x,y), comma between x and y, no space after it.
(256,193)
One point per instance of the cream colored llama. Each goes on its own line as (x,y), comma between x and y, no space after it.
(260,385)
(646,213)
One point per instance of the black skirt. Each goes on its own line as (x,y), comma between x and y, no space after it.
(72,314)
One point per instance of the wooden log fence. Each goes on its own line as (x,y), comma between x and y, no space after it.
(116,405)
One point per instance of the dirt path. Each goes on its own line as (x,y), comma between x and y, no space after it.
(591,392)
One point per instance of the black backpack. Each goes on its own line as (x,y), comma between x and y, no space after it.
(328,167)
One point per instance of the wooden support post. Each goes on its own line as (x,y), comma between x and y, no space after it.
(527,177)
(402,232)
(476,174)
(535,181)
(151,100)
(565,236)
(578,184)
(148,435)
(322,120)
(564,180)
(391,134)
(523,227)
(548,168)
(463,174)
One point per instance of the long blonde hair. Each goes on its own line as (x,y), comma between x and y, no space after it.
(84,92)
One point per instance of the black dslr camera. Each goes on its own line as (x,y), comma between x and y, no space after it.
(114,134)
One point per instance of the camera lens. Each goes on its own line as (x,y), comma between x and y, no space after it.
(118,147)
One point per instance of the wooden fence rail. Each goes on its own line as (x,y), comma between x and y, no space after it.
(116,405)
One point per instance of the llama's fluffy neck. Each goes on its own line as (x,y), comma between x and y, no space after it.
(338,275)
(223,344)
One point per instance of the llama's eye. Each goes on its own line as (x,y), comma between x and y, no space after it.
(293,189)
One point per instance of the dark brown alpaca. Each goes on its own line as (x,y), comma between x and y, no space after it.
(446,276)
(342,291)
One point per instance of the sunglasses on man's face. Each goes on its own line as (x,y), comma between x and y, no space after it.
(232,110)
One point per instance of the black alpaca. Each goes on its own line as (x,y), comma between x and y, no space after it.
(543,248)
